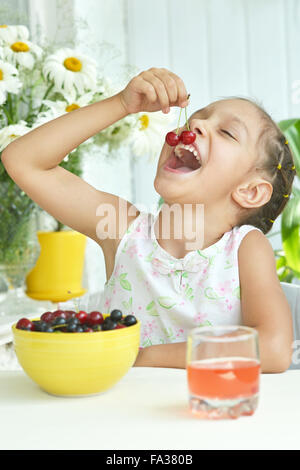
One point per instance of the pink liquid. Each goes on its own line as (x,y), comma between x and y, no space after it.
(225,378)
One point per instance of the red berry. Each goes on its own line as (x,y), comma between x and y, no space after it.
(172,139)
(25,324)
(47,317)
(59,313)
(120,326)
(82,316)
(187,137)
(95,318)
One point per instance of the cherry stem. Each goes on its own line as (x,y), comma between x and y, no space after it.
(178,121)
(185,117)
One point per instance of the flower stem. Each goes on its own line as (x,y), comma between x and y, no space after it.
(10,107)
(45,96)
(7,114)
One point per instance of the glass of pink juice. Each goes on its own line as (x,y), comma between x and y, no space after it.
(223,371)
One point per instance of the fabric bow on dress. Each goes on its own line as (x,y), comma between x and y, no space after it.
(190,264)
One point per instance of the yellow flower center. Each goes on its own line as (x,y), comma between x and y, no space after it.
(73,64)
(144,120)
(3,25)
(20,47)
(72,107)
(13,136)
(1,74)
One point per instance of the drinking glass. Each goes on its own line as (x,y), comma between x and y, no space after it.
(223,371)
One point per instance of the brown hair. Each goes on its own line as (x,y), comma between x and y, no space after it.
(276,164)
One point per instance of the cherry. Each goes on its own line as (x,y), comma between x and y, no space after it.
(82,316)
(172,139)
(47,317)
(59,313)
(70,314)
(25,324)
(95,318)
(187,137)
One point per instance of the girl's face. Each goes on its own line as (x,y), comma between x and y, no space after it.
(226,134)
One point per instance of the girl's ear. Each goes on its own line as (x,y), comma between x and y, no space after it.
(254,194)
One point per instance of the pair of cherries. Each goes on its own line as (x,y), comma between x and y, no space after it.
(186,137)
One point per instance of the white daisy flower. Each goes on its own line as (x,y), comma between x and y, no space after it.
(149,136)
(9,81)
(12,132)
(9,33)
(69,69)
(58,108)
(20,51)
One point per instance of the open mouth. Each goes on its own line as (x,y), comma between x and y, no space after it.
(184,159)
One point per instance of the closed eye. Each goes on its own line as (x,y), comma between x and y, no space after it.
(228,133)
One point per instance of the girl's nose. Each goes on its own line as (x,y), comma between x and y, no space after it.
(198,126)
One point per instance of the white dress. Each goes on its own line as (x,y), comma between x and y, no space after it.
(170,295)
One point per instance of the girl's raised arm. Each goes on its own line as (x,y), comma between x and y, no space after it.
(33,160)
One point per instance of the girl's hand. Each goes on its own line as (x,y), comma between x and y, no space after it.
(154,90)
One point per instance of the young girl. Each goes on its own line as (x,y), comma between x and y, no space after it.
(239,169)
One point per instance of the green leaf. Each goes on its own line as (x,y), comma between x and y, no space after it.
(290,231)
(149,257)
(127,305)
(211,294)
(236,292)
(166,302)
(150,305)
(123,275)
(125,284)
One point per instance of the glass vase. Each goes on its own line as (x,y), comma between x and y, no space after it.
(20,257)
(19,250)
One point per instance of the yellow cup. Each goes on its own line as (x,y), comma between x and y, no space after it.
(72,364)
(59,268)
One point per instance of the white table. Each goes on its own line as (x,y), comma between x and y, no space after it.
(147,409)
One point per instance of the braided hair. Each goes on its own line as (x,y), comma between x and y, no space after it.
(277,166)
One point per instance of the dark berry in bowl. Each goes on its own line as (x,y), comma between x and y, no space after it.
(116,315)
(130,320)
(79,329)
(73,320)
(58,321)
(108,324)
(71,327)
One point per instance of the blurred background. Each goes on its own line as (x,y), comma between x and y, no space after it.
(219,48)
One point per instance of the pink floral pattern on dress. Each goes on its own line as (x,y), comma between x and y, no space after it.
(170,296)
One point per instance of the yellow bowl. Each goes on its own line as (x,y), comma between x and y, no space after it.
(72,364)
